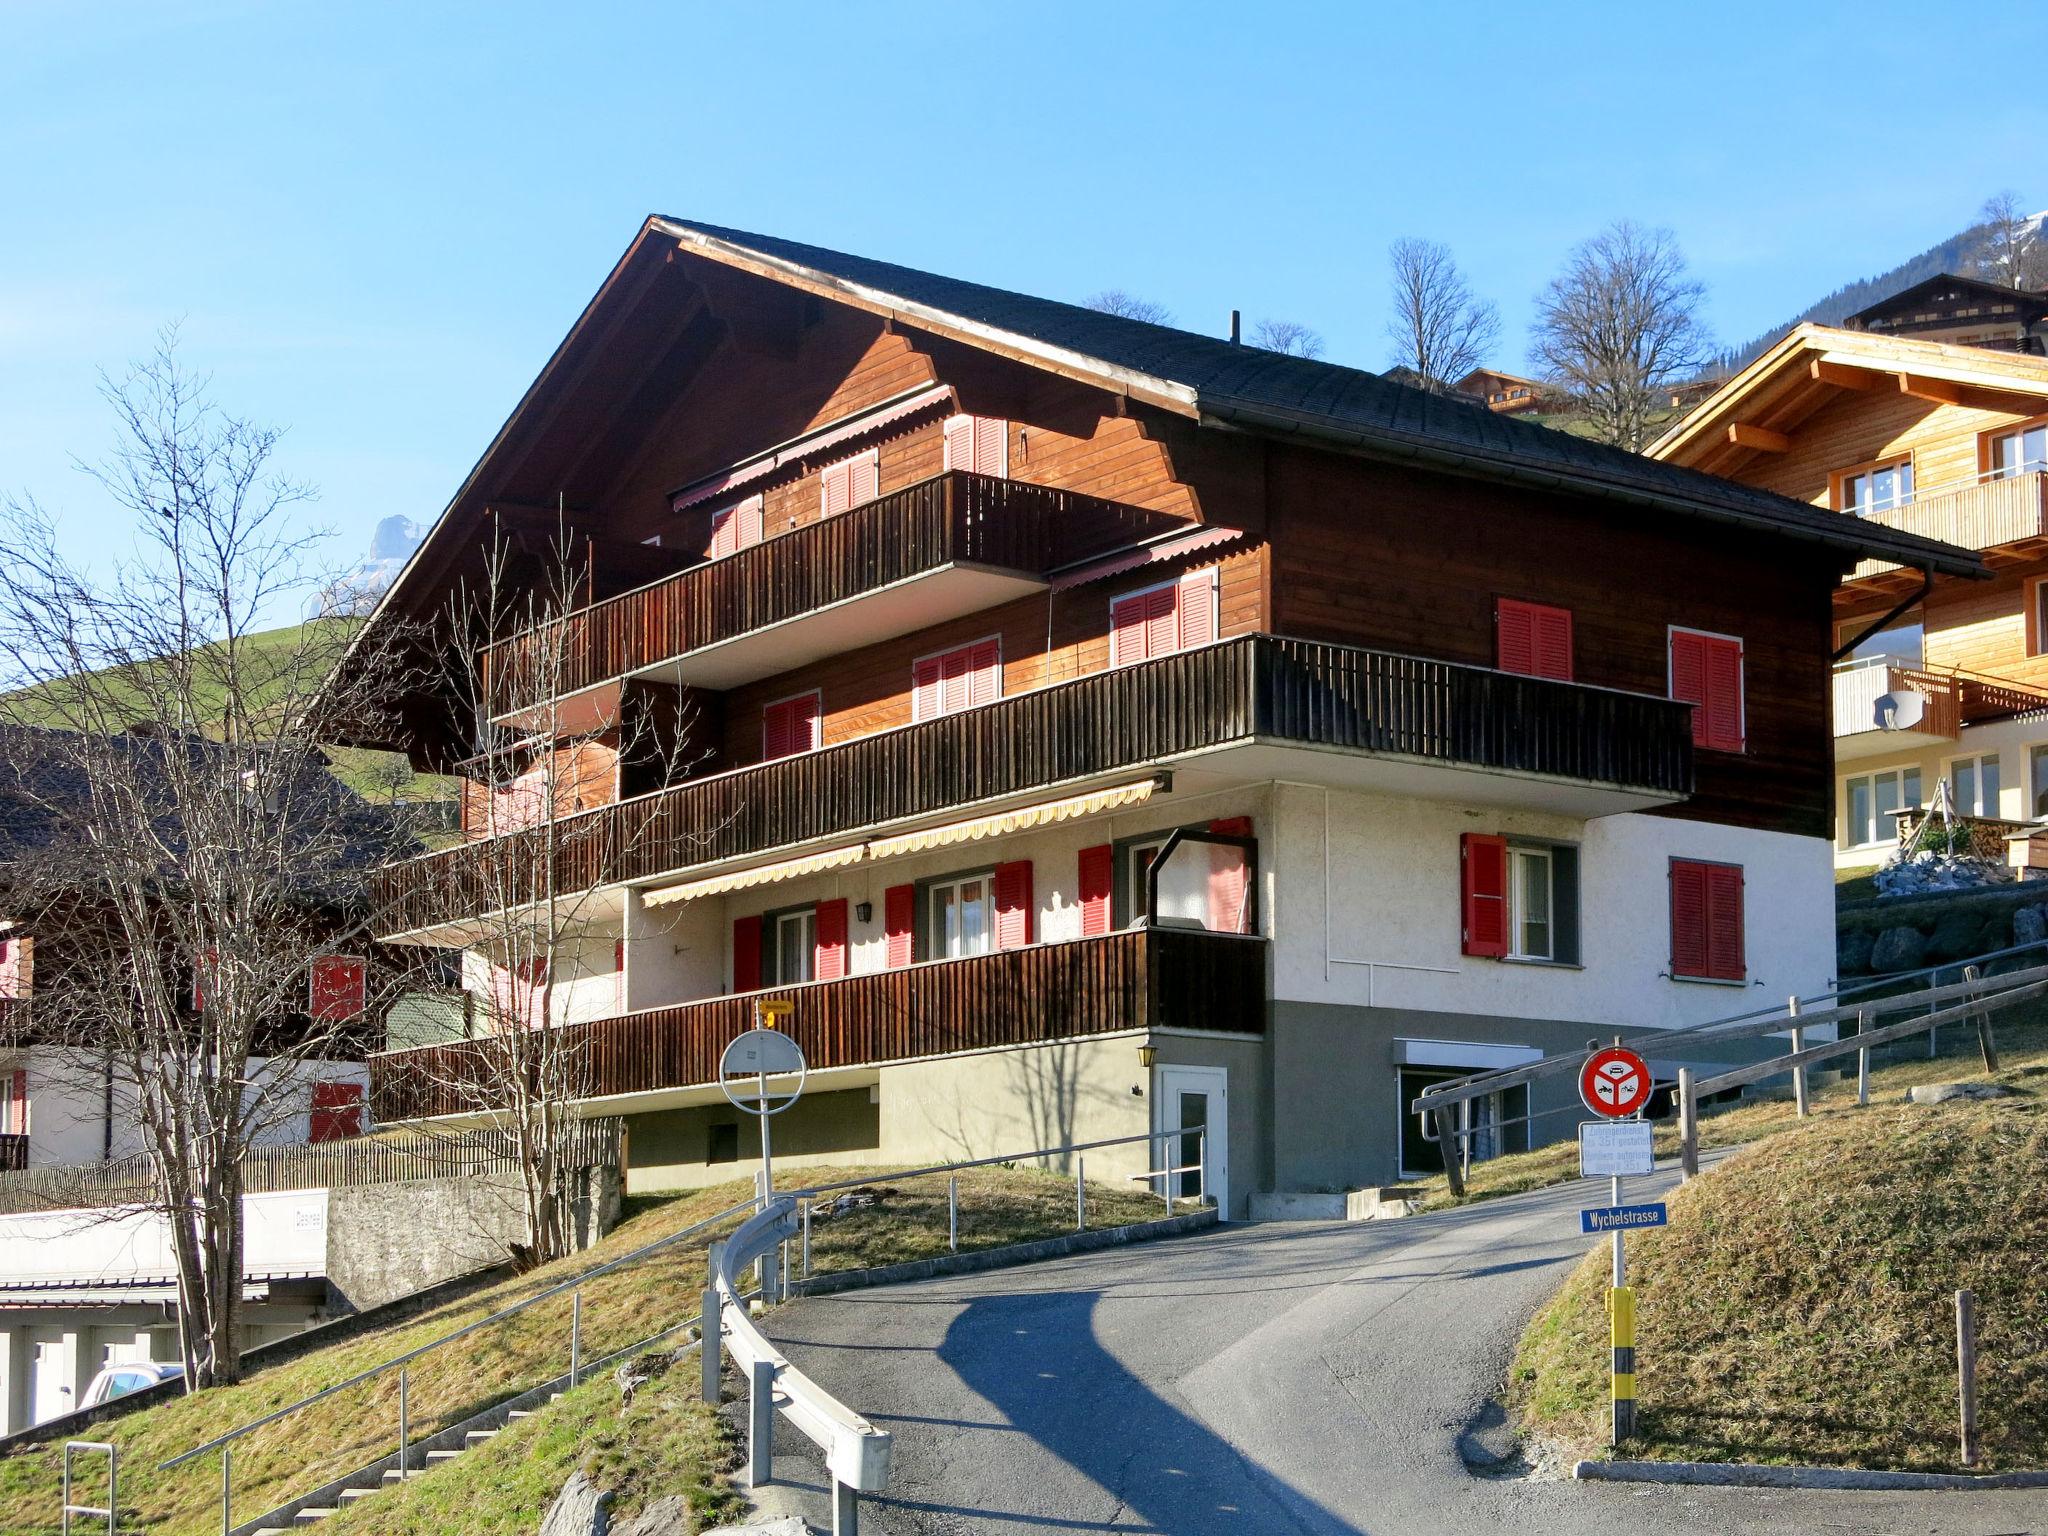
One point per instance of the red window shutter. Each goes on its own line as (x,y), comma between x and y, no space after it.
(725,530)
(1162,621)
(1689,679)
(1725,959)
(1554,643)
(789,726)
(991,445)
(14,1110)
(619,974)
(985,672)
(10,969)
(746,954)
(1514,636)
(960,442)
(337,1112)
(863,479)
(1196,601)
(1013,904)
(1098,878)
(775,731)
(899,918)
(927,678)
(1724,695)
(1229,877)
(1689,949)
(836,487)
(1126,631)
(340,988)
(955,686)
(828,960)
(1485,884)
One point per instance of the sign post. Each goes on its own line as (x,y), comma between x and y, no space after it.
(1615,1085)
(761,1053)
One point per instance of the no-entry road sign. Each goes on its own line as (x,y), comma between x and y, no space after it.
(1615,1082)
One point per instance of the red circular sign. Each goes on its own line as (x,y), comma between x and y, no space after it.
(1615,1083)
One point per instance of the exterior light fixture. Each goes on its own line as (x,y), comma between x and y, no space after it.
(1147,1054)
(865,911)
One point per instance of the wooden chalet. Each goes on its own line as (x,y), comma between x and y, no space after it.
(1963,311)
(1105,727)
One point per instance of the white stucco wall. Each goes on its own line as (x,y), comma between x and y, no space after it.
(1386,927)
(2011,740)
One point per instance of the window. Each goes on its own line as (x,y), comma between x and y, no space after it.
(978,443)
(1868,800)
(1904,642)
(1519,900)
(2037,780)
(735,528)
(1706,672)
(960,917)
(2021,451)
(962,678)
(1159,620)
(850,483)
(1421,1156)
(790,726)
(1973,781)
(1875,487)
(1204,885)
(722,1143)
(790,954)
(1532,639)
(14,1102)
(1706,921)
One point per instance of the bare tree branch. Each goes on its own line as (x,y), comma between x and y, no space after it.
(1440,329)
(1117,301)
(1618,326)
(2012,252)
(1287,336)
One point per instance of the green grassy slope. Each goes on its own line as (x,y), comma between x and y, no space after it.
(1800,1307)
(667,1444)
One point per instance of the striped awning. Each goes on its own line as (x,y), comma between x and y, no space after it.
(804,447)
(1000,822)
(760,874)
(1143,555)
(995,824)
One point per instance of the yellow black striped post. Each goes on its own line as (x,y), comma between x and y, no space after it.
(1621,1313)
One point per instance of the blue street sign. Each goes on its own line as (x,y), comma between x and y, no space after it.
(1622,1218)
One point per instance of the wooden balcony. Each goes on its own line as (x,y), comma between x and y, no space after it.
(1286,708)
(1980,516)
(1874,705)
(1139,979)
(967,542)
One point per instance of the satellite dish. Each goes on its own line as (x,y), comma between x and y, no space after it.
(1900,711)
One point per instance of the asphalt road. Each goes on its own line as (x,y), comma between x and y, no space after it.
(1279,1378)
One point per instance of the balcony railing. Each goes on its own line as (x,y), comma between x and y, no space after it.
(953,518)
(1139,979)
(1258,686)
(1979,516)
(1858,688)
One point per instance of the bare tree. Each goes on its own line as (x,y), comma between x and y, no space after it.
(1118,301)
(176,847)
(2011,252)
(1440,329)
(1618,326)
(535,943)
(1287,336)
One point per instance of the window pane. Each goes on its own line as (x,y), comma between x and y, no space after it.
(1887,795)
(1910,795)
(2034,449)
(1987,786)
(1532,903)
(1966,785)
(1856,828)
(973,909)
(1854,489)
(2038,774)
(2003,451)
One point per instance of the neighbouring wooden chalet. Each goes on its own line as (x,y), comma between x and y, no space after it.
(1964,311)
(1937,675)
(1108,728)
(1508,393)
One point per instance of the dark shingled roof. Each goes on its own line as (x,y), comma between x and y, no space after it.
(1326,403)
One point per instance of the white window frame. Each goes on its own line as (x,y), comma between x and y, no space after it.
(2018,430)
(1864,472)
(987,881)
(790,698)
(1872,775)
(1977,759)
(1133,874)
(947,650)
(805,920)
(1531,851)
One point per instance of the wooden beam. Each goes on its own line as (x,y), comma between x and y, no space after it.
(1839,376)
(1976,397)
(1744,434)
(1920,387)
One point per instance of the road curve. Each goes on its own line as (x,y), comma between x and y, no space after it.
(1296,1378)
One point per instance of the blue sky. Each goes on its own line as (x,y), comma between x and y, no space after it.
(376,221)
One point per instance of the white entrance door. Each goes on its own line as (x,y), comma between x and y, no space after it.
(52,1391)
(1191,1100)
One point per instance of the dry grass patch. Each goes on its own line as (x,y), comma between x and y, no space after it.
(317,1444)
(1800,1306)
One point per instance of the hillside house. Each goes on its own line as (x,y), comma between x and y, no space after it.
(1111,729)
(1963,311)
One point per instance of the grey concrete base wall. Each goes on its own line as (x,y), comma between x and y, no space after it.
(1335,1117)
(389,1240)
(667,1148)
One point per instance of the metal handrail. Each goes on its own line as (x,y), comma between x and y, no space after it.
(567,1286)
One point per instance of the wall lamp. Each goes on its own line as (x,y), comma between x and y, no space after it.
(865,911)
(1147,1055)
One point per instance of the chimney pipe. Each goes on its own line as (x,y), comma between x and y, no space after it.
(1233,328)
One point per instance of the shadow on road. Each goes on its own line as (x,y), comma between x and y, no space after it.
(1162,1469)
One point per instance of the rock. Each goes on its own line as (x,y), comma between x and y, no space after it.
(635,1373)
(1941,1093)
(1956,936)
(1852,951)
(580,1509)
(1925,872)
(1898,949)
(2029,925)
(789,1525)
(668,1516)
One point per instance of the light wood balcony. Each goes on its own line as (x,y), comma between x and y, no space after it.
(1980,516)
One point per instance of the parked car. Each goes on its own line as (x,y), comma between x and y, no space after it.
(120,1380)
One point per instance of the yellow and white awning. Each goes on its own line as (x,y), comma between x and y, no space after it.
(994,824)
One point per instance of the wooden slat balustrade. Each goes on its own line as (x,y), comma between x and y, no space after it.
(1980,516)
(953,518)
(1290,691)
(1143,978)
